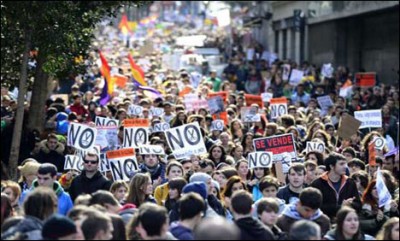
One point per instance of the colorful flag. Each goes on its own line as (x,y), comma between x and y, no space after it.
(383,193)
(108,88)
(150,92)
(137,72)
(347,89)
(124,25)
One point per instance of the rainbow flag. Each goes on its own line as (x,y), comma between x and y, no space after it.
(137,72)
(108,88)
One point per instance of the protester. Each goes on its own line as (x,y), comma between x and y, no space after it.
(216,228)
(390,230)
(58,227)
(305,230)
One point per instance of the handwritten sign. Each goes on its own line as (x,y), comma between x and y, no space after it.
(369,118)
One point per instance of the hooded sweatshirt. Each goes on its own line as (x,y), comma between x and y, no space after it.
(290,215)
(64,200)
(252,229)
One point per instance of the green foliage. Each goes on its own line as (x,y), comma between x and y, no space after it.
(61,31)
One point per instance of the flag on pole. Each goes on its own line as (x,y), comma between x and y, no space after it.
(347,89)
(150,92)
(137,72)
(108,88)
(124,25)
(384,195)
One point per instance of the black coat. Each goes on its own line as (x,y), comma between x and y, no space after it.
(83,185)
(253,229)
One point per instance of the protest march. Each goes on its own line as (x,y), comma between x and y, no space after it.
(171,133)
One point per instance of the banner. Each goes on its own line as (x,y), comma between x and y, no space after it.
(135,137)
(365,80)
(348,126)
(254,99)
(315,146)
(81,137)
(278,107)
(369,118)
(216,105)
(223,94)
(260,160)
(151,149)
(101,121)
(384,195)
(136,123)
(249,115)
(123,164)
(135,110)
(186,141)
(295,77)
(282,147)
(325,102)
(217,125)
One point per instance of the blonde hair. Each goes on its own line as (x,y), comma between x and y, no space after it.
(30,167)
(386,231)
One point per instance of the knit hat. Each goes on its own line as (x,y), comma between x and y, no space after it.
(216,185)
(58,226)
(197,187)
(199,177)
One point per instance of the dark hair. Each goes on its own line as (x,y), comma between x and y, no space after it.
(340,217)
(95,222)
(173,164)
(349,150)
(298,168)
(304,230)
(311,197)
(241,202)
(367,197)
(223,156)
(228,188)
(267,182)
(362,176)
(103,197)
(190,205)
(41,203)
(320,157)
(310,164)
(6,207)
(332,159)
(287,120)
(47,168)
(357,162)
(152,217)
(268,205)
(229,172)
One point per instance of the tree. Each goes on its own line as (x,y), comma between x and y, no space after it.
(59,31)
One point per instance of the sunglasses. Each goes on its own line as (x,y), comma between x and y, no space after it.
(91,162)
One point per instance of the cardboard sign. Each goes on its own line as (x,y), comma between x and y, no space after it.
(101,121)
(325,102)
(365,80)
(135,137)
(278,107)
(254,99)
(135,110)
(217,125)
(266,97)
(379,143)
(107,138)
(369,118)
(279,172)
(295,77)
(223,94)
(136,123)
(222,116)
(81,137)
(123,164)
(315,146)
(161,127)
(216,104)
(282,147)
(151,149)
(372,154)
(73,162)
(186,141)
(156,111)
(249,115)
(348,126)
(260,159)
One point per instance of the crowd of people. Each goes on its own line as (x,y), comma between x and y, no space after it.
(330,195)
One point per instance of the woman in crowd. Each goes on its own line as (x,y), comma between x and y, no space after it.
(29,170)
(140,190)
(390,230)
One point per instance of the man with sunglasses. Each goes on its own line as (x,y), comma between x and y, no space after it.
(90,180)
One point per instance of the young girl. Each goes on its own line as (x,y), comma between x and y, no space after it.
(253,185)
(119,189)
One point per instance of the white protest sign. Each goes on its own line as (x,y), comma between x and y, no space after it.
(151,149)
(383,193)
(123,164)
(286,72)
(186,141)
(249,114)
(369,118)
(315,146)
(73,162)
(327,70)
(250,54)
(278,107)
(101,121)
(104,164)
(217,125)
(260,159)
(135,110)
(295,77)
(265,55)
(156,111)
(135,137)
(379,143)
(286,160)
(324,102)
(160,127)
(81,137)
(216,105)
(107,138)
(266,97)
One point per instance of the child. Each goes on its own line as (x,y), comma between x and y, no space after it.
(119,189)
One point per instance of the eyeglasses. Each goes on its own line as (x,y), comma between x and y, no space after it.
(91,162)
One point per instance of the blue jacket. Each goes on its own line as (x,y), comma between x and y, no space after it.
(180,232)
(64,200)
